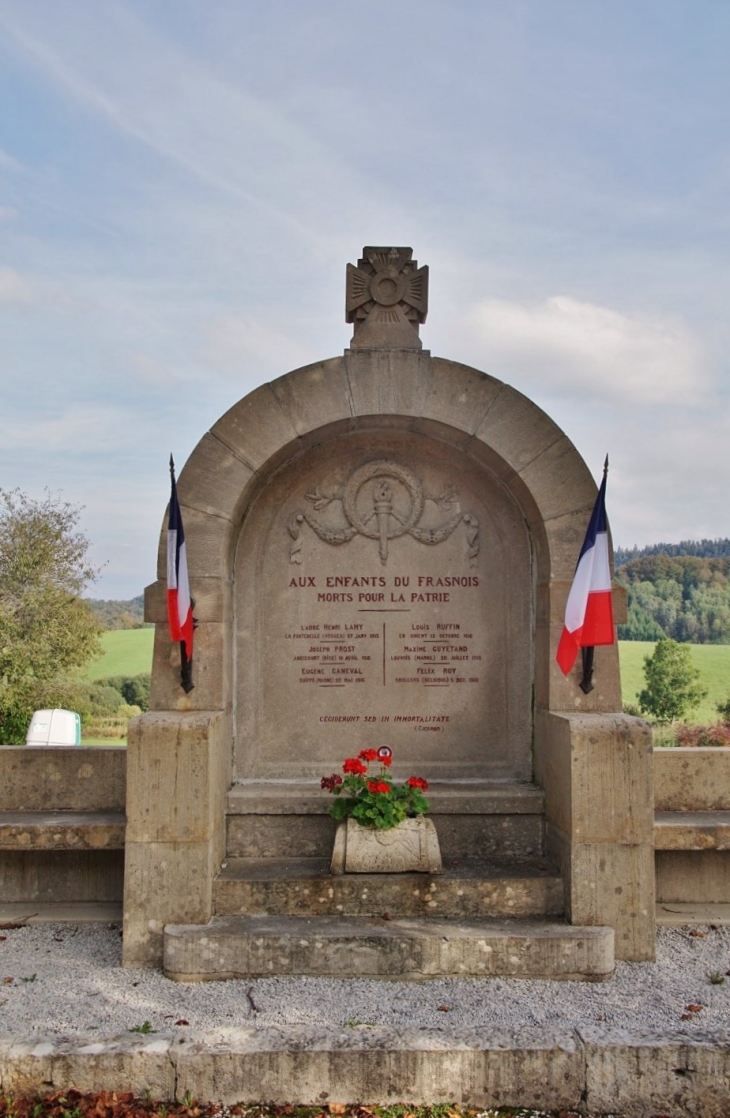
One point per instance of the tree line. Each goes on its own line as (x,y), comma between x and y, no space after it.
(683,597)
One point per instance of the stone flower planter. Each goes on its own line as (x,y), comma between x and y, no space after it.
(411,846)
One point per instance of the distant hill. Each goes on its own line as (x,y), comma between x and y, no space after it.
(684,597)
(118,614)
(701,549)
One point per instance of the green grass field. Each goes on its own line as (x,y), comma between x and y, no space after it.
(712,660)
(126,652)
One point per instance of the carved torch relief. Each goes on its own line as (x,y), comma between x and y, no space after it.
(383,501)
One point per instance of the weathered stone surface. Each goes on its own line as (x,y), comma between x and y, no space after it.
(315,395)
(692,779)
(61,830)
(211,670)
(635,1076)
(40,1065)
(458,396)
(613,883)
(80,779)
(168,751)
(305,887)
(208,542)
(384,382)
(211,458)
(299,1065)
(212,600)
(239,946)
(478,1067)
(508,838)
(689,875)
(612,753)
(692,830)
(255,428)
(61,876)
(256,797)
(374,637)
(179,772)
(164,882)
(411,846)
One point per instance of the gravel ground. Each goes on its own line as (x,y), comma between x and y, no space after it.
(67,980)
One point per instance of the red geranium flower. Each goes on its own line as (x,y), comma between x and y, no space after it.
(368,754)
(354,765)
(330,782)
(387,761)
(378,786)
(418,782)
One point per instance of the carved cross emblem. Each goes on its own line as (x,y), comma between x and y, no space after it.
(387,288)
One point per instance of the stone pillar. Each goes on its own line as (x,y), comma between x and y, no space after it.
(177,779)
(597,773)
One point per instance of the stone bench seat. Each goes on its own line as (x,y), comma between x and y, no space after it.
(692,830)
(62,830)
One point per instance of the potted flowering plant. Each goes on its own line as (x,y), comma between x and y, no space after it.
(382,828)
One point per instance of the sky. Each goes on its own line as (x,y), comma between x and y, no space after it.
(182,183)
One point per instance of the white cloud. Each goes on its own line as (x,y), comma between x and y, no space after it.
(237,341)
(13,288)
(564,344)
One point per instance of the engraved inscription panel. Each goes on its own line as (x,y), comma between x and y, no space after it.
(383,594)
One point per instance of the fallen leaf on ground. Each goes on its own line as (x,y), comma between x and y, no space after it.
(698,934)
(443,1008)
(182,1021)
(693,1007)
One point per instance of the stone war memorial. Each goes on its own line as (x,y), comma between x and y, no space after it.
(380,547)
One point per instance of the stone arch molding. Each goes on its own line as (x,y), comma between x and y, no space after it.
(486,419)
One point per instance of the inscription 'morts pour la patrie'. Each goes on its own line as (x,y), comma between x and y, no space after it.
(383,501)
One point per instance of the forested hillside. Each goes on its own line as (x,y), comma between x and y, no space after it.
(680,596)
(115,614)
(702,549)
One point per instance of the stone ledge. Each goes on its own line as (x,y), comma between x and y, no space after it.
(305,887)
(262,797)
(692,830)
(413,949)
(62,830)
(596,1069)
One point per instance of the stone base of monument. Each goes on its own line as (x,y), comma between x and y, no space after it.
(412,845)
(496,908)
(253,946)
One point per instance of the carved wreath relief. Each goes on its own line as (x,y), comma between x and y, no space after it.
(381,501)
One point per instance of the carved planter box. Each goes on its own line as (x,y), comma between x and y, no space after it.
(411,846)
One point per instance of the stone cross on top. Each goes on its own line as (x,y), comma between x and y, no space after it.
(386,299)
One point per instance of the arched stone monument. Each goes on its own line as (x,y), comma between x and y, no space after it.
(380,546)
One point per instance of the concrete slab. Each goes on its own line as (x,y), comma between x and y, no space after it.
(347,947)
(44,913)
(595,1070)
(692,830)
(305,887)
(676,913)
(62,830)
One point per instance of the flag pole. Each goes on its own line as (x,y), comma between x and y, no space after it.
(186,661)
(588,651)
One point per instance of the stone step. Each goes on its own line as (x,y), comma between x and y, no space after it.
(62,830)
(269,819)
(305,887)
(342,947)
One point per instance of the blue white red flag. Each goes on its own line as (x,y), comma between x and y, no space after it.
(179,602)
(589,611)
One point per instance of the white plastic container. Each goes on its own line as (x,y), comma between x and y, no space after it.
(54,727)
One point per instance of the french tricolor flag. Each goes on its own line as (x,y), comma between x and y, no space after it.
(179,602)
(589,612)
